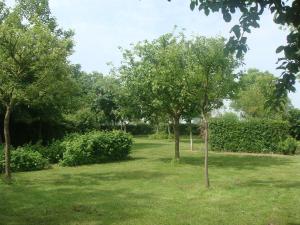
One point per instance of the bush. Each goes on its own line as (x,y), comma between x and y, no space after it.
(24,158)
(95,147)
(159,135)
(53,152)
(259,135)
(288,146)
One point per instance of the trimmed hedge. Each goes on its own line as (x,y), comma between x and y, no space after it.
(95,147)
(257,136)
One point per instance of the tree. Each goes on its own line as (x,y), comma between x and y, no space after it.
(212,79)
(284,14)
(33,57)
(155,73)
(256,88)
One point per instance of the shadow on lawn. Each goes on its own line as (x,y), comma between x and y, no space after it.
(234,161)
(146,145)
(73,205)
(272,183)
(76,198)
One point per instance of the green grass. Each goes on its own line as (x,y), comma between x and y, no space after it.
(151,190)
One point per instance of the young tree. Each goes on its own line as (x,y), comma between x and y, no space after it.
(155,73)
(212,79)
(33,57)
(285,13)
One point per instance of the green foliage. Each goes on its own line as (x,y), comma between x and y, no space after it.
(255,89)
(285,14)
(293,117)
(95,147)
(256,135)
(25,158)
(229,116)
(288,146)
(159,135)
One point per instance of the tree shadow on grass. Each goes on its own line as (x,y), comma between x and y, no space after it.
(272,183)
(71,206)
(97,178)
(145,145)
(76,198)
(234,161)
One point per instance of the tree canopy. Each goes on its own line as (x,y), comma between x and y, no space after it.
(285,13)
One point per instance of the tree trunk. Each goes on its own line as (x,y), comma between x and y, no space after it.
(191,136)
(7,142)
(169,131)
(125,128)
(176,134)
(206,152)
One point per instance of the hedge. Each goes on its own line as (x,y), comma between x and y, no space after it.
(95,147)
(257,136)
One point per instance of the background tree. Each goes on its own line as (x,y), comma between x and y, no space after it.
(256,88)
(212,79)
(285,13)
(33,56)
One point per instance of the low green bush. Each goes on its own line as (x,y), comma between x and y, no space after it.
(95,147)
(288,146)
(159,135)
(25,158)
(257,136)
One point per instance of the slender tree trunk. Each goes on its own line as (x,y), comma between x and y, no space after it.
(169,131)
(7,141)
(206,152)
(191,136)
(40,135)
(157,128)
(176,134)
(125,128)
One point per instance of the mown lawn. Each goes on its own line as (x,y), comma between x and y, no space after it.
(151,190)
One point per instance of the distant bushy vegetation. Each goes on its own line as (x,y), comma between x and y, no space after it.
(255,135)
(95,147)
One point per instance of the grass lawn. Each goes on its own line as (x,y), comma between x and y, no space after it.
(151,190)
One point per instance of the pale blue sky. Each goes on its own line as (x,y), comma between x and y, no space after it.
(102,25)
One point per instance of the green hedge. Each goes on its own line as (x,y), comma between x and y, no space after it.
(258,136)
(95,147)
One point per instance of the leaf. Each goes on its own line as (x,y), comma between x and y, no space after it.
(279,49)
(236,30)
(227,17)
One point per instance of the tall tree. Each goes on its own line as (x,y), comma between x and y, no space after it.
(286,13)
(213,80)
(155,72)
(33,58)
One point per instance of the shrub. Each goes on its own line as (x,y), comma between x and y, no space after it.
(95,147)
(288,146)
(159,135)
(259,135)
(53,152)
(23,159)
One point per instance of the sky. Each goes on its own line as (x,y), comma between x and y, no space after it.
(101,26)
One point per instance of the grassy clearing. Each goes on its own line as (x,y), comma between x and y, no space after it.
(151,190)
